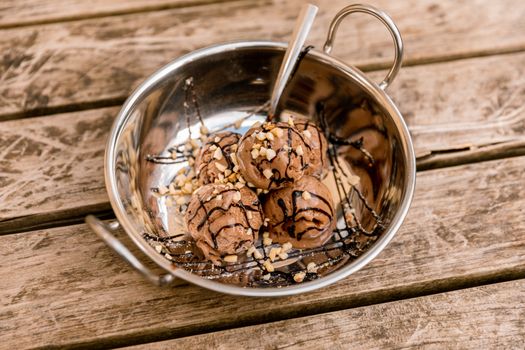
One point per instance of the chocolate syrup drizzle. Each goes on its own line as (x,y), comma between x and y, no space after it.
(344,244)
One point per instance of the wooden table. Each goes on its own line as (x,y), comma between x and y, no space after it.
(454,275)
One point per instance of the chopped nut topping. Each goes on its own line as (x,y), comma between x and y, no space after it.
(269,136)
(219,197)
(270,154)
(257,254)
(300,151)
(227,173)
(260,136)
(268,173)
(267,241)
(181,200)
(158,248)
(204,130)
(266,277)
(238,124)
(306,195)
(249,215)
(286,247)
(230,258)
(217,154)
(169,257)
(290,121)
(233,157)
(299,277)
(256,146)
(220,167)
(262,151)
(283,256)
(213,147)
(255,153)
(217,139)
(268,266)
(274,252)
(277,132)
(250,251)
(249,231)
(311,267)
(187,188)
(236,196)
(307,133)
(239,185)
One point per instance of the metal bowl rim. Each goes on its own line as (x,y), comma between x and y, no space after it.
(370,87)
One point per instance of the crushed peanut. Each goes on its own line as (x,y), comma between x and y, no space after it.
(222,168)
(230,258)
(257,254)
(300,151)
(311,267)
(306,195)
(236,196)
(268,266)
(270,154)
(255,153)
(299,277)
(268,173)
(307,133)
(217,154)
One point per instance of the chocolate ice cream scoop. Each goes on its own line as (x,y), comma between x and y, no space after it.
(302,213)
(317,146)
(272,155)
(223,220)
(214,159)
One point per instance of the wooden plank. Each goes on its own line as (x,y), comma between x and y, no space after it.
(63,287)
(481,113)
(477,318)
(52,168)
(17,13)
(96,62)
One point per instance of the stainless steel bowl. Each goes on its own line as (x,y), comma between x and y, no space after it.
(230,81)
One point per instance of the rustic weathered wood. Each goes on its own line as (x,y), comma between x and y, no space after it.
(477,318)
(473,154)
(56,67)
(62,286)
(36,170)
(17,13)
(48,166)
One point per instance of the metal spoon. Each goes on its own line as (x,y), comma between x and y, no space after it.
(302,28)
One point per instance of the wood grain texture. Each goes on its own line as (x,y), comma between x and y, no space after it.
(17,13)
(52,168)
(487,108)
(62,286)
(488,317)
(94,62)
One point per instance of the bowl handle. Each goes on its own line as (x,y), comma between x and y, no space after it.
(386,20)
(103,230)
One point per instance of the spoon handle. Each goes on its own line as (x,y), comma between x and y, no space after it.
(302,28)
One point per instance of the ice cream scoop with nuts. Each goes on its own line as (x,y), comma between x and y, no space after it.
(224,221)
(273,155)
